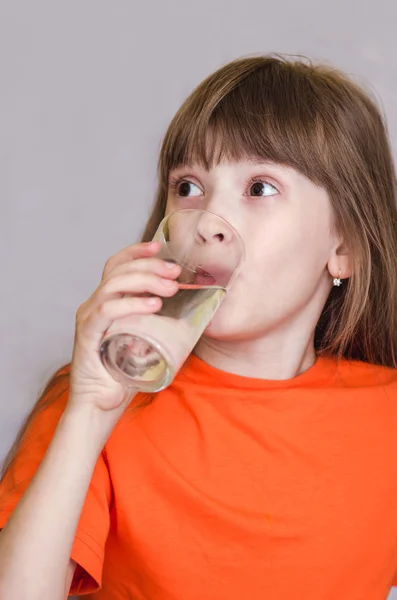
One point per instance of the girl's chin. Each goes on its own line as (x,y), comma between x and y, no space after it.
(217,331)
(223,329)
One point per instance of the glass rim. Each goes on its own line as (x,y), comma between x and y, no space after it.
(229,225)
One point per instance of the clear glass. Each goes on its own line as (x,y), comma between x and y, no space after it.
(146,351)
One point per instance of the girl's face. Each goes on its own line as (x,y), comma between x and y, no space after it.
(292,251)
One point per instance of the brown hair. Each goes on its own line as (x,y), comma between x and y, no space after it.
(318,121)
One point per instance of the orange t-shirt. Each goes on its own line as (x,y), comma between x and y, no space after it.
(233,488)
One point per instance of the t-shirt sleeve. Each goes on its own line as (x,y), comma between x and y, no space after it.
(93,527)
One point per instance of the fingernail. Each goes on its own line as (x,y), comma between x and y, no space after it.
(151,301)
(170,265)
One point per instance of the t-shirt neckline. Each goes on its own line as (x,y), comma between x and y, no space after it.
(197,371)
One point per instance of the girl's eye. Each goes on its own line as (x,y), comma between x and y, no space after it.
(262,189)
(186,189)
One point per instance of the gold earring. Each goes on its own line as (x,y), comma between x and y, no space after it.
(337,280)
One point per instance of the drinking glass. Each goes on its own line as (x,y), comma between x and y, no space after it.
(146,351)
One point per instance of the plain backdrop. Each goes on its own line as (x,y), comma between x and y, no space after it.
(88,88)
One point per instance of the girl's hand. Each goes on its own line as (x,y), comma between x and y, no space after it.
(127,276)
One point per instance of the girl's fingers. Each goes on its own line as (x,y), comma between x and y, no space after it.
(133,282)
(129,254)
(157,266)
(92,325)
(137,283)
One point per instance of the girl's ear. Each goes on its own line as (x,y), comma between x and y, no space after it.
(339,264)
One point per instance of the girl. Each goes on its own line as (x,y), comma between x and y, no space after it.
(268,469)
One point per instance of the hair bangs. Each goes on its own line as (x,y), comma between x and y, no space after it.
(274,119)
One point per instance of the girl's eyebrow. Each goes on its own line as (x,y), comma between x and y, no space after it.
(257,160)
(178,168)
(252,161)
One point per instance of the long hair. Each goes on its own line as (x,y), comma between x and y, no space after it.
(318,121)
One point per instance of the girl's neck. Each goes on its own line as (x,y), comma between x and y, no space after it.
(271,358)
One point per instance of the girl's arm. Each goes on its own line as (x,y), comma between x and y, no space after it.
(69,577)
(36,543)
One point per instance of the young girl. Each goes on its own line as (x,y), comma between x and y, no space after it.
(268,469)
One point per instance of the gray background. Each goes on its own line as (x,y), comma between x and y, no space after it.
(87,90)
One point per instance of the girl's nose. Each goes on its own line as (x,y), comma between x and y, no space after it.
(212,230)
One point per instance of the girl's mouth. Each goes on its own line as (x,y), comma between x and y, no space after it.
(202,277)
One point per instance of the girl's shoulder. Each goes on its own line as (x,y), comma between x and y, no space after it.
(355,373)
